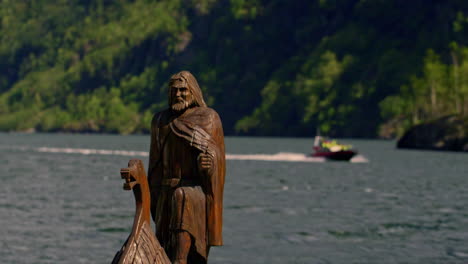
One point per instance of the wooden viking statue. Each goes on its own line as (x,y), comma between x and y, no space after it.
(186,173)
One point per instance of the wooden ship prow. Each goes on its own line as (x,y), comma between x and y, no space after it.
(141,246)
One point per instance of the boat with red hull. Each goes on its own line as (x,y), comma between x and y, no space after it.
(339,155)
(330,149)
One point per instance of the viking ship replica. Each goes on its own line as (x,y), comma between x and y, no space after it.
(142,246)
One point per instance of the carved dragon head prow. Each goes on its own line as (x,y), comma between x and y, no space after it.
(131,174)
(135,179)
(142,240)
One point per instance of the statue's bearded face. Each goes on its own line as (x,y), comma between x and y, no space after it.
(181,98)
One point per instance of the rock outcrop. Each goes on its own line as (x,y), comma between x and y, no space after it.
(446,133)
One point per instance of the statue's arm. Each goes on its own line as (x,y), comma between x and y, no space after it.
(208,165)
(214,184)
(154,163)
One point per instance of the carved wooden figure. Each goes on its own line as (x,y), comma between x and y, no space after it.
(186,173)
(141,246)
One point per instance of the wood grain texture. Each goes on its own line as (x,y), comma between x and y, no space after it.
(142,246)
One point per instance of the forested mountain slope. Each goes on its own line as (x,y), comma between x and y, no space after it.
(268,67)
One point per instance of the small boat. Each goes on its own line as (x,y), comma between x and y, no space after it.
(332,150)
(142,246)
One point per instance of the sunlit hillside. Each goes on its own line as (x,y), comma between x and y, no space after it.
(348,68)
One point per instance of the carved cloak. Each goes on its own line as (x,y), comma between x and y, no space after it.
(201,128)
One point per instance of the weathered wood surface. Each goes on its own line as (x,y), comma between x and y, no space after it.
(142,246)
(186,172)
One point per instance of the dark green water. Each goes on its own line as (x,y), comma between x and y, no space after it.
(58,205)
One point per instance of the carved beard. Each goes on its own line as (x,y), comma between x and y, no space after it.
(182,105)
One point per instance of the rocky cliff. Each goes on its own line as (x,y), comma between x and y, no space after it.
(446,133)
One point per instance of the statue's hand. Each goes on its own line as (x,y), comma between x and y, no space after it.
(205,162)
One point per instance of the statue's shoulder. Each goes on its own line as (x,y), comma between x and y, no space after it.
(206,112)
(160,117)
(214,115)
(207,118)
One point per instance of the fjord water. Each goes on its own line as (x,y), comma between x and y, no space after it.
(61,201)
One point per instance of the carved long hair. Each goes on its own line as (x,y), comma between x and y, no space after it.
(189,81)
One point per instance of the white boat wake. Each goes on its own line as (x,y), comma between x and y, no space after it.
(281,156)
(288,156)
(94,151)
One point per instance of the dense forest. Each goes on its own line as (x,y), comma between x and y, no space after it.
(349,68)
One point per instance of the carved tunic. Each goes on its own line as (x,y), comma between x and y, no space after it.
(184,198)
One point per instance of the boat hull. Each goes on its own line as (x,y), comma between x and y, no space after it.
(344,155)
